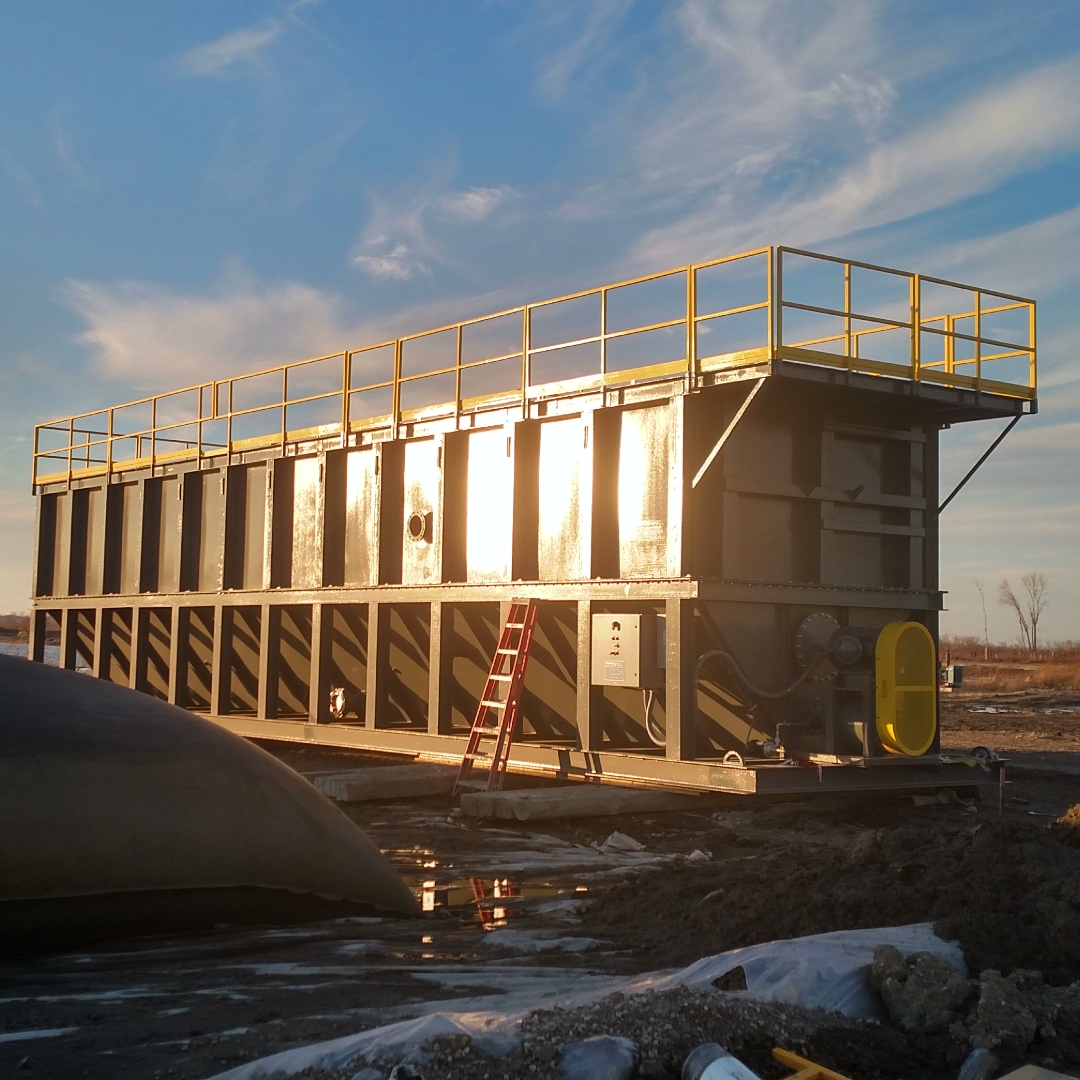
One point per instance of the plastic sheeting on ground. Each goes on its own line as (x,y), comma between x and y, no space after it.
(826,971)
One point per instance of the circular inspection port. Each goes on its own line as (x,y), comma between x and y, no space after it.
(418,527)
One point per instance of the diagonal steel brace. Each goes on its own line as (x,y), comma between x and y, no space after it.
(978,464)
(727,432)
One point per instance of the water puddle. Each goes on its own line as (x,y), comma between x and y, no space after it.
(497,900)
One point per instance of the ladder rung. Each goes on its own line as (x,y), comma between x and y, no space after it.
(494,704)
(508,652)
(515,626)
(501,678)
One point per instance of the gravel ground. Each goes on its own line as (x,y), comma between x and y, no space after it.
(665,1026)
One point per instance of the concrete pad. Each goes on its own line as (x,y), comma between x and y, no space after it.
(1036,1072)
(580,800)
(1055,762)
(388,782)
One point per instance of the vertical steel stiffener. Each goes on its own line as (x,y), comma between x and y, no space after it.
(327,551)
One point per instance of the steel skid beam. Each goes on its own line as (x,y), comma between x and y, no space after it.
(639,770)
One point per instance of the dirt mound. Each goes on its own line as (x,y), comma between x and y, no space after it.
(1008,891)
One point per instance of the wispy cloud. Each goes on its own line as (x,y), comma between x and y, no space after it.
(586,44)
(65,149)
(394,245)
(975,146)
(763,77)
(24,180)
(398,242)
(217,57)
(241,47)
(755,96)
(475,203)
(1036,259)
(398,263)
(157,338)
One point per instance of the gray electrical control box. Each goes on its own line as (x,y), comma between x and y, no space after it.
(628,650)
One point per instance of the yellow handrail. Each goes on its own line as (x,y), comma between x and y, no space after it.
(217,422)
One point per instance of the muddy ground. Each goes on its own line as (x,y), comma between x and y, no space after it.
(565,915)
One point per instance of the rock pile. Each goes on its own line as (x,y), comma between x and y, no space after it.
(926,995)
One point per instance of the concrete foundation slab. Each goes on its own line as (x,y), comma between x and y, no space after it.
(388,782)
(581,800)
(1055,762)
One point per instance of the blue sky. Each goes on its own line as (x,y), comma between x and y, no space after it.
(189,190)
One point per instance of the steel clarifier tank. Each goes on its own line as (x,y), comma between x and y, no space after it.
(739,459)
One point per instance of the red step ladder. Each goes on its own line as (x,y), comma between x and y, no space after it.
(500,703)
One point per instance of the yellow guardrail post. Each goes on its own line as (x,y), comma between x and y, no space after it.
(978,343)
(691,324)
(847,309)
(779,343)
(770,311)
(916,326)
(457,380)
(1032,367)
(346,381)
(396,415)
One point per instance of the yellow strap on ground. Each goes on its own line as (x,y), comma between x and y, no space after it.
(969,761)
(804,1069)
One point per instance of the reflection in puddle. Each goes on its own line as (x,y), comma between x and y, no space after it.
(493,916)
(493,898)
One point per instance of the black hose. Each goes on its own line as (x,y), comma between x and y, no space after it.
(765,695)
(661,739)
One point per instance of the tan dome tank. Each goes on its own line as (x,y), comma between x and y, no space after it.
(121,811)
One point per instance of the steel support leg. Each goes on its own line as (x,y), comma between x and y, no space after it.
(681,659)
(219,676)
(35,647)
(177,628)
(319,682)
(102,633)
(68,621)
(440,669)
(140,631)
(265,707)
(589,717)
(378,669)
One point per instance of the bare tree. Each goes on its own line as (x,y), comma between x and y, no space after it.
(1036,583)
(981,586)
(1029,611)
(1007,597)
